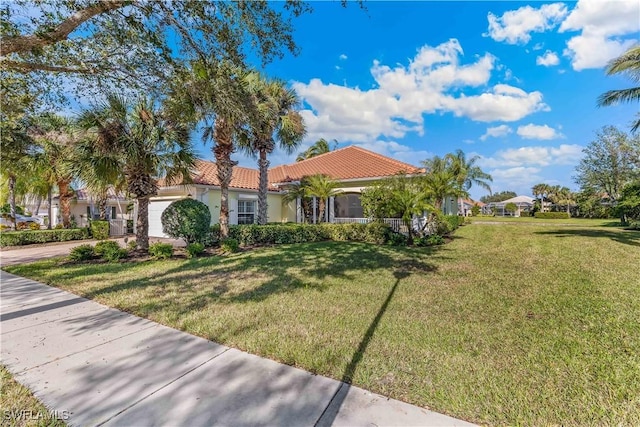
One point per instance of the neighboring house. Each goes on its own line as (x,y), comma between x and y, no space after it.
(354,168)
(523,204)
(84,207)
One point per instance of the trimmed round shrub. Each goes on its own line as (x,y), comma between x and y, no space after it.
(81,253)
(109,250)
(187,219)
(161,250)
(132,245)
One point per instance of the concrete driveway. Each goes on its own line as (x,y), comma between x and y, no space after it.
(31,253)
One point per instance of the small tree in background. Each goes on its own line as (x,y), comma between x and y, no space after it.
(187,219)
(511,208)
(475,210)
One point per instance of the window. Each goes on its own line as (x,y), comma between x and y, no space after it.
(246,211)
(113,212)
(348,206)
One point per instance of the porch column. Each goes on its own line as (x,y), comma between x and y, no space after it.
(298,210)
(332,209)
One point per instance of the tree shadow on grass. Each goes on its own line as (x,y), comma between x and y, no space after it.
(626,237)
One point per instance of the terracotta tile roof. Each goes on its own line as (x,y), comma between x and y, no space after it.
(346,163)
(343,164)
(85,194)
(207,174)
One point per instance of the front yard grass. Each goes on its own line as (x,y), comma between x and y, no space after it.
(19,408)
(507,324)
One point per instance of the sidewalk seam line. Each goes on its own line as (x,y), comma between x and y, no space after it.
(44,323)
(85,349)
(162,387)
(342,384)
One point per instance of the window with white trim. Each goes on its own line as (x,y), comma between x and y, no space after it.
(246,211)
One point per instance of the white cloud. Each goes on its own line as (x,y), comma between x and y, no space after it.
(516,26)
(607,29)
(538,46)
(516,177)
(434,81)
(343,57)
(495,132)
(532,131)
(548,59)
(533,156)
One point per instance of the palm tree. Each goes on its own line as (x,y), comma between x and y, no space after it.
(146,143)
(467,172)
(218,95)
(541,190)
(56,137)
(627,63)
(278,120)
(562,196)
(440,180)
(295,191)
(321,187)
(321,146)
(15,147)
(407,199)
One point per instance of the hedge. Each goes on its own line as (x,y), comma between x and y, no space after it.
(28,237)
(249,235)
(100,230)
(552,215)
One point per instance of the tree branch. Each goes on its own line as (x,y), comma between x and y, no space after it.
(6,64)
(25,43)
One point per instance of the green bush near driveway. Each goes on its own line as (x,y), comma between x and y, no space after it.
(29,237)
(100,230)
(186,219)
(82,253)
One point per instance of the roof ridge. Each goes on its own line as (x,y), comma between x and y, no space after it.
(383,157)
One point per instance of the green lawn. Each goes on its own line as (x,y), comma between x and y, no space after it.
(507,324)
(584,222)
(19,408)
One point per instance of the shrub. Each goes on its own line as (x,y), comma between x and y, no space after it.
(161,250)
(22,225)
(59,226)
(633,225)
(100,230)
(194,249)
(17,238)
(109,250)
(187,219)
(397,239)
(475,210)
(132,245)
(81,253)
(229,245)
(34,226)
(552,215)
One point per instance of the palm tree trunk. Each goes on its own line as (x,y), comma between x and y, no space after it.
(320,215)
(50,208)
(142,223)
(65,203)
(102,207)
(263,165)
(38,204)
(222,152)
(12,199)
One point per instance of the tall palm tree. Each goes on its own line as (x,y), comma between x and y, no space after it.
(322,187)
(627,63)
(278,121)
(562,196)
(146,144)
(542,190)
(216,94)
(321,146)
(56,137)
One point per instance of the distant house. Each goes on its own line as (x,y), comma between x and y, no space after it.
(354,168)
(84,208)
(523,204)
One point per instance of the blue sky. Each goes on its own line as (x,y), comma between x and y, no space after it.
(513,82)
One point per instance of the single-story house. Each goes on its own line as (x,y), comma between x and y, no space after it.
(354,168)
(84,207)
(523,204)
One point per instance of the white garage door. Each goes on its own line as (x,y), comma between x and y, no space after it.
(155,211)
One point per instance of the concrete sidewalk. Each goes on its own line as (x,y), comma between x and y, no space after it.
(106,367)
